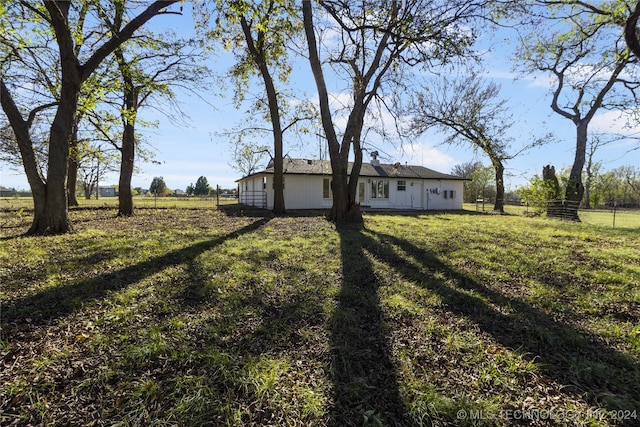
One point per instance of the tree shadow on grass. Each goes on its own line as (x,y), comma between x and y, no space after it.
(569,356)
(57,301)
(363,376)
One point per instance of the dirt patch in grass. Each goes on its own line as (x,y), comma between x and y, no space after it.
(206,317)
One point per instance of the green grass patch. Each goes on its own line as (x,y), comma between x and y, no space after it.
(206,317)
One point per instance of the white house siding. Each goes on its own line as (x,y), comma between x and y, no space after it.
(300,192)
(306,192)
(252,191)
(418,195)
(437,195)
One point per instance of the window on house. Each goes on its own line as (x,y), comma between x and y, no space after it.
(379,189)
(326,188)
(402,185)
(449,194)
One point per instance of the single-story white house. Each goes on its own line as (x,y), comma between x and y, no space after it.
(307,185)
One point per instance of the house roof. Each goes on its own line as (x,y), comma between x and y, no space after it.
(323,167)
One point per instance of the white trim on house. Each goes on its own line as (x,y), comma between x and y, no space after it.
(380,186)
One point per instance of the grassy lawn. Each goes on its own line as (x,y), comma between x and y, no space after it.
(207,317)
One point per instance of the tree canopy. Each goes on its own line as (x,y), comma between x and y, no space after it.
(470,111)
(158,186)
(28,23)
(583,49)
(202,187)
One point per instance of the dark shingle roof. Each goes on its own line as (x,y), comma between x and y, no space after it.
(323,167)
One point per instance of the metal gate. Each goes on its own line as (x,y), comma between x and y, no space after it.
(254,198)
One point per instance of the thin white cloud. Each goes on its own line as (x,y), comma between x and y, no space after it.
(427,155)
(501,75)
(614,122)
(539,80)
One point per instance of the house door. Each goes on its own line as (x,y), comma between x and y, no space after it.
(361,189)
(416,195)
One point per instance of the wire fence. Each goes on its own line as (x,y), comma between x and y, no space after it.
(614,217)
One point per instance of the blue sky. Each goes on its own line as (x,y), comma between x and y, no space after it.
(183,153)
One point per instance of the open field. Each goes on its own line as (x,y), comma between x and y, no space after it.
(26,203)
(222,317)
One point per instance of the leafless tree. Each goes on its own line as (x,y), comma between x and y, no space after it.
(469,110)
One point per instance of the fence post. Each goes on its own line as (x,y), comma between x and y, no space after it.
(615,207)
(218,196)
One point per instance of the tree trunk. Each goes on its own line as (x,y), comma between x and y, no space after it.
(53,218)
(357,160)
(552,187)
(128,149)
(72,181)
(56,219)
(274,113)
(72,168)
(587,190)
(278,178)
(344,183)
(630,31)
(278,167)
(344,208)
(88,191)
(589,175)
(352,194)
(340,192)
(499,203)
(50,198)
(575,189)
(23,138)
(127,160)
